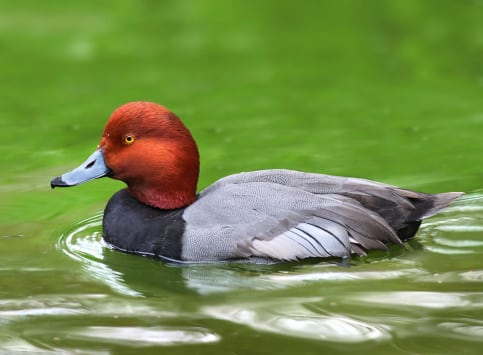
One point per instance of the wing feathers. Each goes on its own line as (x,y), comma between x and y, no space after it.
(337,231)
(289,215)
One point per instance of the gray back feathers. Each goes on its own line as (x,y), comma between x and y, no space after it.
(289,215)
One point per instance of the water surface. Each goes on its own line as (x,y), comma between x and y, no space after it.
(385,91)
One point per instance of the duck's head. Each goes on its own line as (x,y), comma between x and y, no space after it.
(149,148)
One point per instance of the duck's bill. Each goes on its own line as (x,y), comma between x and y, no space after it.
(93,168)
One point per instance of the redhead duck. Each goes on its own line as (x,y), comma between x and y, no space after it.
(259,216)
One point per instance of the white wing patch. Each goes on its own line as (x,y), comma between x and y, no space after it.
(317,236)
(305,240)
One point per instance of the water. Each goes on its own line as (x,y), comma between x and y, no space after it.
(384,91)
(81,295)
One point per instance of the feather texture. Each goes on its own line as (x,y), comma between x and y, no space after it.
(290,215)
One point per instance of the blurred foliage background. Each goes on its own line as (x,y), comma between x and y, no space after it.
(389,90)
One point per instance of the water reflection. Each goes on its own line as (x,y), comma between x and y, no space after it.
(472,276)
(437,300)
(290,317)
(383,297)
(457,231)
(84,244)
(291,279)
(146,336)
(467,328)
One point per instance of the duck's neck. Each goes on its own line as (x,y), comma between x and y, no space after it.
(165,200)
(172,184)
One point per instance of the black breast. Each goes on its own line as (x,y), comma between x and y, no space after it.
(134,227)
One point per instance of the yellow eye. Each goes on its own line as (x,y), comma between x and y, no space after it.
(129,139)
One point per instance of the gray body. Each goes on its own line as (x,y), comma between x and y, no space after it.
(291,215)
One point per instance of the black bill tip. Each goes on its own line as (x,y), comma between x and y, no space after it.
(58,182)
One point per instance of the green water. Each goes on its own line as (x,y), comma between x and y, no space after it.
(387,90)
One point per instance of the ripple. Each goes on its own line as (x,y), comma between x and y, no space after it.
(290,318)
(40,306)
(471,329)
(343,276)
(39,312)
(84,244)
(472,275)
(434,300)
(448,251)
(84,241)
(460,228)
(459,243)
(15,345)
(146,336)
(457,231)
(85,305)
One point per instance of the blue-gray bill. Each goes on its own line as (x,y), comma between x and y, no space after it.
(93,168)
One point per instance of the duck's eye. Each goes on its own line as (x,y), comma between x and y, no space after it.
(129,139)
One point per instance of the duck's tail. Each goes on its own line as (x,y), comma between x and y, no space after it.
(432,204)
(424,207)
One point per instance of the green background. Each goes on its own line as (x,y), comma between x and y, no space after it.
(386,90)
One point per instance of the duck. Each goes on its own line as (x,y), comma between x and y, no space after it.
(263,216)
